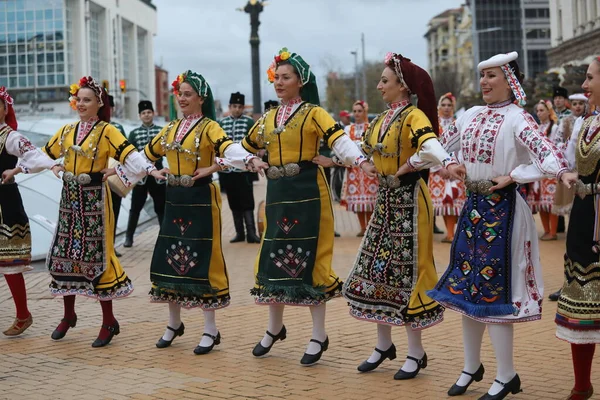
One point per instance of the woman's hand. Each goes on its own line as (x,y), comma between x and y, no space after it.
(56,169)
(108,172)
(257,165)
(501,182)
(457,172)
(369,169)
(205,171)
(323,161)
(569,178)
(160,174)
(403,170)
(9,174)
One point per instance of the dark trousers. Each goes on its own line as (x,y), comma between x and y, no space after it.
(116,205)
(240,190)
(138,199)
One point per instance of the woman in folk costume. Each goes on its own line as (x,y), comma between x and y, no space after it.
(447,195)
(82,258)
(578,315)
(17,154)
(394,267)
(293,266)
(547,190)
(188,269)
(359,191)
(494,276)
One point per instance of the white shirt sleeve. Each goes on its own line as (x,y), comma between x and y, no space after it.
(572,144)
(431,154)
(31,159)
(348,151)
(235,157)
(136,167)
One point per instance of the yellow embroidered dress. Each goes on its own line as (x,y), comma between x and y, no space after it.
(82,259)
(188,267)
(394,267)
(294,262)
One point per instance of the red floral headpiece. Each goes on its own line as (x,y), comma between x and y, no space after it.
(88,82)
(10,119)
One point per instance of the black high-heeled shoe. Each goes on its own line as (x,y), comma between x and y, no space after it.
(57,335)
(367,366)
(113,330)
(162,343)
(260,350)
(403,375)
(457,390)
(310,359)
(206,349)
(513,386)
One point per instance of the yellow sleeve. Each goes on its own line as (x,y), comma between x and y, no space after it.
(118,146)
(53,147)
(420,129)
(327,128)
(218,138)
(250,142)
(154,150)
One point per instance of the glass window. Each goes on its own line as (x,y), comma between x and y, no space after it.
(40,57)
(29,15)
(58,25)
(2,14)
(49,25)
(2,60)
(30,69)
(30,80)
(12,37)
(3,81)
(10,16)
(20,16)
(60,57)
(21,58)
(12,70)
(29,26)
(13,81)
(22,81)
(50,68)
(58,13)
(3,71)
(12,60)
(50,57)
(10,27)
(41,69)
(48,14)
(51,80)
(42,80)
(60,80)
(60,67)
(22,69)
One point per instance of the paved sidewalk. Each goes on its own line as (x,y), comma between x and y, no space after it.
(131,367)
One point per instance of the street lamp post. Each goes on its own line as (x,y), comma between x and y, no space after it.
(34,39)
(254,8)
(356,88)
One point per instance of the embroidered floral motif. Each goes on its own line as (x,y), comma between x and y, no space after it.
(479,138)
(25,145)
(418,134)
(287,225)
(532,288)
(292,261)
(182,225)
(181,258)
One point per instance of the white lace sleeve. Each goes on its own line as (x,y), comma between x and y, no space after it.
(235,157)
(31,159)
(431,154)
(347,151)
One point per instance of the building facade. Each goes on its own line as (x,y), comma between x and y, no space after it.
(45,45)
(575,31)
(442,42)
(161,105)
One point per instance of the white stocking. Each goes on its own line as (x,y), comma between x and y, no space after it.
(472,337)
(210,327)
(384,341)
(275,323)
(502,340)
(174,321)
(318,332)
(415,349)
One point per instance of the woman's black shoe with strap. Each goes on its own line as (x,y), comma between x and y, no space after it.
(260,350)
(310,359)
(367,366)
(457,390)
(403,375)
(162,343)
(59,334)
(199,350)
(513,386)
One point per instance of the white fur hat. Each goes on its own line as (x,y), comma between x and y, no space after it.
(498,60)
(578,96)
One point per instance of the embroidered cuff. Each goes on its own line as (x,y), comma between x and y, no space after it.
(359,160)
(448,161)
(248,158)
(410,165)
(336,160)
(23,168)
(221,163)
(561,172)
(122,175)
(150,168)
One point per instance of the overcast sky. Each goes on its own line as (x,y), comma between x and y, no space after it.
(211,37)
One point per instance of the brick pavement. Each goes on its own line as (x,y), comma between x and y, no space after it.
(131,367)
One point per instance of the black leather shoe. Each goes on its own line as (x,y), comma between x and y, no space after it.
(113,329)
(57,335)
(457,390)
(403,375)
(554,296)
(162,343)
(118,254)
(336,234)
(437,230)
(128,242)
(238,238)
(513,386)
(367,366)
(310,359)
(260,350)
(205,350)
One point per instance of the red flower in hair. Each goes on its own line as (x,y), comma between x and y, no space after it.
(83,81)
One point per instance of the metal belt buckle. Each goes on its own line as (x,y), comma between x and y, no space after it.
(291,169)
(392,182)
(68,177)
(580,189)
(186,181)
(172,180)
(83,179)
(275,172)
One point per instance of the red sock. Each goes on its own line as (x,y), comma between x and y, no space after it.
(69,305)
(108,318)
(583,354)
(16,283)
